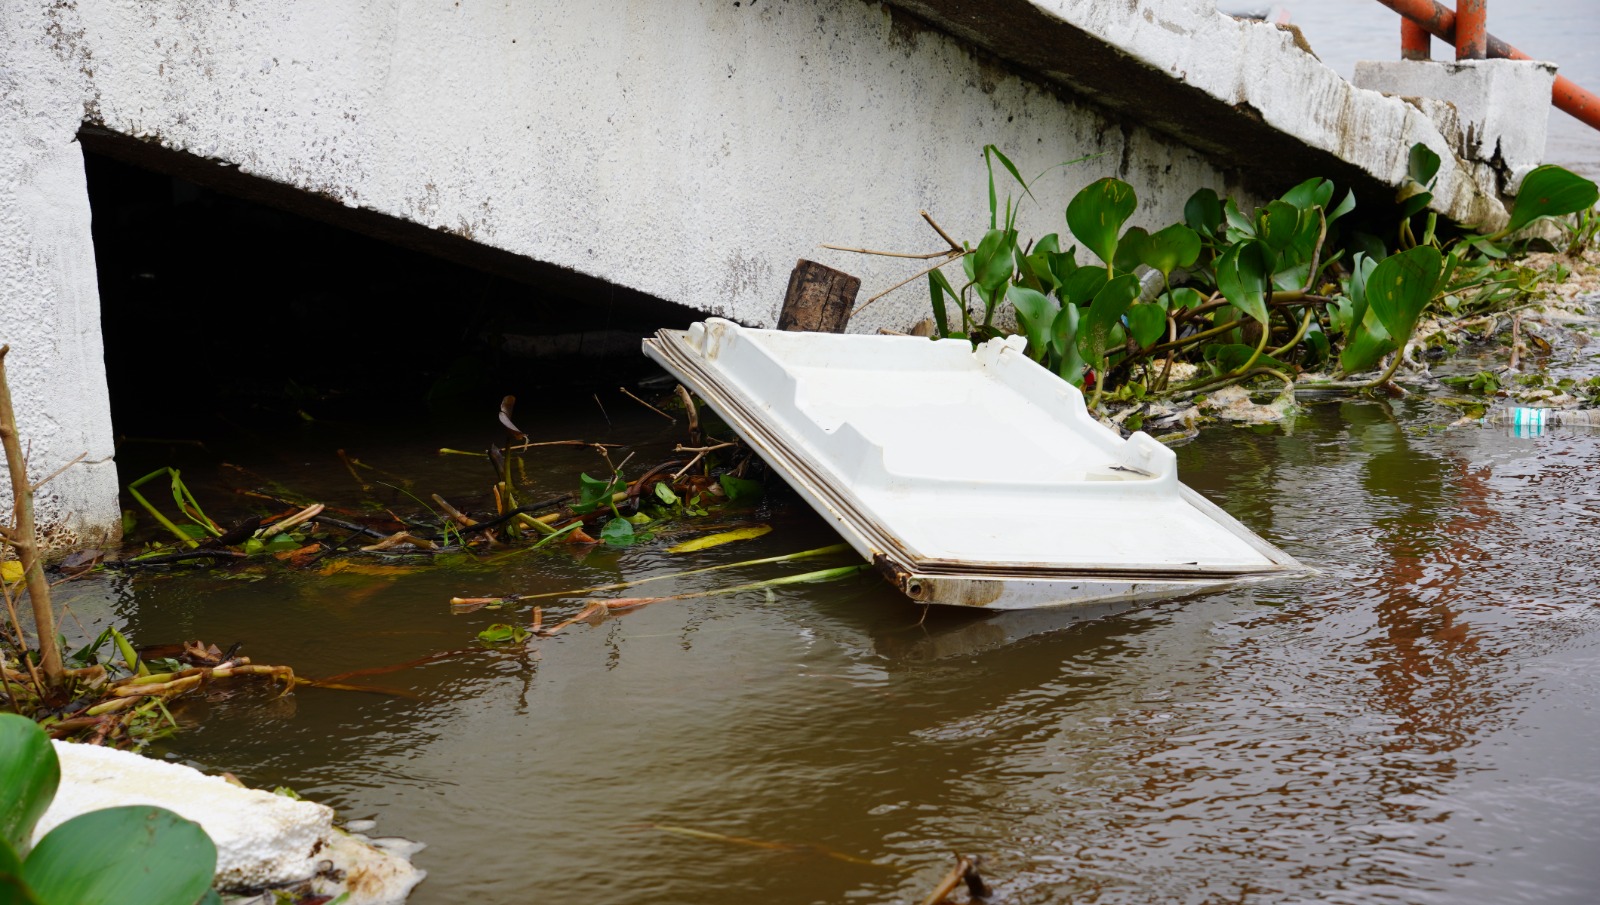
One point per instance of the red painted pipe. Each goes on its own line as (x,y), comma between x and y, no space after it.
(1472,29)
(1441,23)
(1415,42)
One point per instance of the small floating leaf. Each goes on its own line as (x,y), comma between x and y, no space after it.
(501,633)
(741,490)
(618,532)
(717,540)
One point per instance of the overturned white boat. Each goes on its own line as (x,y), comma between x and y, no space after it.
(969,477)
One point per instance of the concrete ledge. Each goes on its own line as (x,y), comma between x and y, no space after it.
(1248,92)
(1499,109)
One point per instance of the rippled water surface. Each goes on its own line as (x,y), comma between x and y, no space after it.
(1415,724)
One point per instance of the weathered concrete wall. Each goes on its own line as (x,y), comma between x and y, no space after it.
(688,150)
(1237,89)
(49,303)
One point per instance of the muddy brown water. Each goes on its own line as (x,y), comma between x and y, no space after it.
(1415,724)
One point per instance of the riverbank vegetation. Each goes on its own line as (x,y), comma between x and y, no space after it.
(1282,295)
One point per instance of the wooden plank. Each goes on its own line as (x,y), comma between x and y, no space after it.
(819,299)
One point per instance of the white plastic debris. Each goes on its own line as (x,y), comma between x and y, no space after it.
(262,839)
(968,477)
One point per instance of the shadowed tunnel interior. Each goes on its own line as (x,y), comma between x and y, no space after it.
(236,306)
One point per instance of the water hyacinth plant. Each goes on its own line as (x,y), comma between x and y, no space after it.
(1237,293)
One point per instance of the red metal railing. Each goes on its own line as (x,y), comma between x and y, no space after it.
(1466,29)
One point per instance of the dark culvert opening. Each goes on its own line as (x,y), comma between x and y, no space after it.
(231,307)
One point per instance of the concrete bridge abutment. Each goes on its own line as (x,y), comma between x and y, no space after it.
(681,154)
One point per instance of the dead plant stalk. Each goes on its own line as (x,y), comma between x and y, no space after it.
(23,536)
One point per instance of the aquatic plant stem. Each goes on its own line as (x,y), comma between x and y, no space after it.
(1193,338)
(133,490)
(1266,333)
(788,557)
(1305,324)
(23,535)
(625,604)
(1388,374)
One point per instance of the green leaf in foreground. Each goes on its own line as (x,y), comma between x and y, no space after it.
(1401,286)
(1110,303)
(1096,214)
(1422,164)
(1036,313)
(29,775)
(1147,322)
(118,856)
(1064,345)
(1241,277)
(1550,191)
(993,263)
(1203,212)
(1168,249)
(594,492)
(939,287)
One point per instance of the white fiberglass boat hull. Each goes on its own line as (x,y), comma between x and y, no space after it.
(968,477)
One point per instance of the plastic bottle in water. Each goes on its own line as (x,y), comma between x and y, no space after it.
(1533,422)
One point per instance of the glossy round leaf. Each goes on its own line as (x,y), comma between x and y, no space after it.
(1422,164)
(1035,314)
(1401,286)
(1314,192)
(1110,303)
(1168,249)
(1241,278)
(993,262)
(1147,322)
(118,856)
(1096,215)
(1082,285)
(1551,191)
(1279,223)
(1064,345)
(1132,249)
(1203,212)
